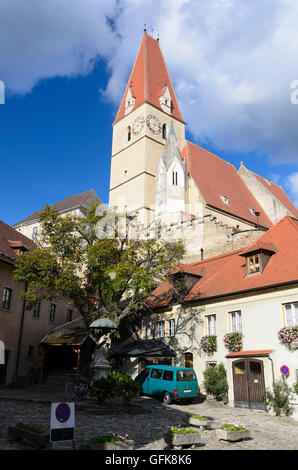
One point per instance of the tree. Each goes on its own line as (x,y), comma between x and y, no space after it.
(95,265)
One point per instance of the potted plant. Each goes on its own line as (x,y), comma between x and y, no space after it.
(289,337)
(209,344)
(199,421)
(29,434)
(233,341)
(232,431)
(108,442)
(178,436)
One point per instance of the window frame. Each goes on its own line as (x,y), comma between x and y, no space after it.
(6,302)
(231,328)
(161,329)
(36,309)
(293,323)
(52,313)
(254,271)
(208,326)
(171,327)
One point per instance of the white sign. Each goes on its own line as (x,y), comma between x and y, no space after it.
(62,421)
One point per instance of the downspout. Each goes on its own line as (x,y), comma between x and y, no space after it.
(21,332)
(270,359)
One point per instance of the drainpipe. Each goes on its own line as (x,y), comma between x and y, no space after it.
(21,332)
(270,359)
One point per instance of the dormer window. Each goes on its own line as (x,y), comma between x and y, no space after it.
(225,200)
(129,101)
(253,264)
(257,256)
(166,101)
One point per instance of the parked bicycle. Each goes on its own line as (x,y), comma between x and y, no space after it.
(76,387)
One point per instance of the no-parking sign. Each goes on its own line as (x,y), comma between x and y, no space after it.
(62,421)
(284,370)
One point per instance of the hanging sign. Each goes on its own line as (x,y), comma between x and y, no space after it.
(62,421)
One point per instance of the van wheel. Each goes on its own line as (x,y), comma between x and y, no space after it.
(167,398)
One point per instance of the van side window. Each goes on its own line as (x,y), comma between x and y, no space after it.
(156,373)
(183,375)
(168,375)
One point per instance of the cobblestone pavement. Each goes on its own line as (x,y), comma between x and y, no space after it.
(146,420)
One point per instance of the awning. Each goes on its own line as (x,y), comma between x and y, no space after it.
(72,333)
(252,353)
(144,348)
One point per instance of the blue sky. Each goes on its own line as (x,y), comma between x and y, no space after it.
(232,64)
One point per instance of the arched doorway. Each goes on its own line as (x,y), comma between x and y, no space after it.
(188,360)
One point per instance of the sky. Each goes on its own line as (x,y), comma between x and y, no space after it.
(65,65)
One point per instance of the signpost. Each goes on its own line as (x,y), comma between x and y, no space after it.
(62,422)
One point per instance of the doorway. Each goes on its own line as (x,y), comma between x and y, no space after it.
(249,383)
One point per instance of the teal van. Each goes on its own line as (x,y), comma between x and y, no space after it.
(168,382)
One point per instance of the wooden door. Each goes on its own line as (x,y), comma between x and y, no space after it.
(249,383)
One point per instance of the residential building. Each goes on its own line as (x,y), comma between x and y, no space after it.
(21,330)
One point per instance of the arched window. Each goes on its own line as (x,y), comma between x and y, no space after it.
(164,131)
(128,133)
(175,178)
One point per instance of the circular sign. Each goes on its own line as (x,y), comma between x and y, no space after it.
(62,412)
(284,370)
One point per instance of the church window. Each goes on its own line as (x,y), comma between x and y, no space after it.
(175,178)
(164,131)
(128,133)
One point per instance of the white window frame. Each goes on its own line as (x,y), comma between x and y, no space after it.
(291,314)
(236,321)
(161,329)
(171,327)
(211,325)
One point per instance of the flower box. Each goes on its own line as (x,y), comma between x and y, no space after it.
(180,440)
(232,435)
(199,423)
(37,440)
(120,445)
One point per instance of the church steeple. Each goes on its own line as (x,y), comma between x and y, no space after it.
(149,82)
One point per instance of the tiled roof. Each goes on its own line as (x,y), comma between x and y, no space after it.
(149,78)
(278,192)
(10,238)
(83,200)
(226,274)
(217,179)
(257,352)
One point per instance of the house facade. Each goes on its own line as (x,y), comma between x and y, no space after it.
(250,294)
(22,330)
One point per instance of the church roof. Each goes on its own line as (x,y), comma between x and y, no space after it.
(149,79)
(278,192)
(83,200)
(219,181)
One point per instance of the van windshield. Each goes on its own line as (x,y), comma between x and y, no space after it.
(183,375)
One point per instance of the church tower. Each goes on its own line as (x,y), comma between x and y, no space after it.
(140,132)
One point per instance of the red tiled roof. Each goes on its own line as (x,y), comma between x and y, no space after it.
(279,193)
(10,238)
(258,246)
(149,78)
(226,274)
(215,178)
(282,267)
(257,352)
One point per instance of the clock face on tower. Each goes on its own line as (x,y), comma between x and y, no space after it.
(153,124)
(138,125)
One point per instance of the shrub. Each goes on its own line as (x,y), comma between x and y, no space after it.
(233,426)
(279,397)
(215,381)
(116,384)
(179,430)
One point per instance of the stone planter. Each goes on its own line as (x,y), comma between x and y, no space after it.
(37,440)
(127,444)
(179,440)
(199,423)
(231,435)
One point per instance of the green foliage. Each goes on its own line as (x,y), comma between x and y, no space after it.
(201,418)
(180,430)
(109,276)
(117,384)
(233,426)
(209,344)
(279,397)
(215,381)
(107,438)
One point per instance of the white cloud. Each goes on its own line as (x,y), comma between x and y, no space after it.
(292,186)
(232,61)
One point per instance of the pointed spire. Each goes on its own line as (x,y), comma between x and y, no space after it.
(172,130)
(171,149)
(148,74)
